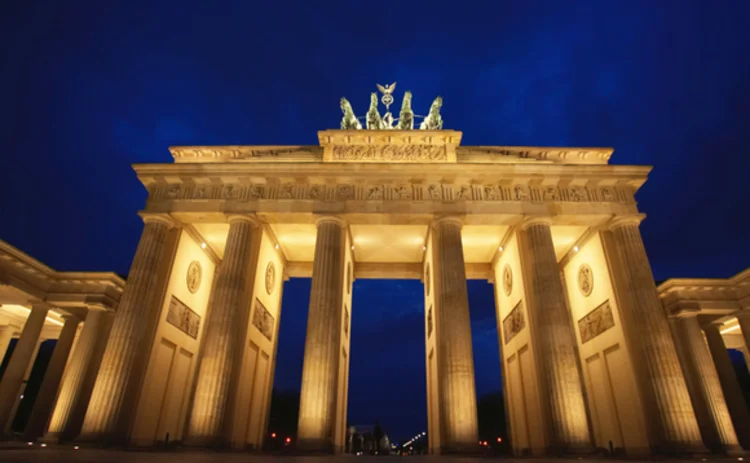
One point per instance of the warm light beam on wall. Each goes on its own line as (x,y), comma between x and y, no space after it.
(730,329)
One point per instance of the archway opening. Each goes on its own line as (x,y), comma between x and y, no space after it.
(387,367)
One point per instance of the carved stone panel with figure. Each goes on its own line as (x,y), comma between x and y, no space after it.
(183,318)
(514,323)
(596,322)
(263,320)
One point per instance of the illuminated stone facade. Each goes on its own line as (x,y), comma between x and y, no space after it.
(588,355)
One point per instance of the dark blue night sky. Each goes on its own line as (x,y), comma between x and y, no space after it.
(89,87)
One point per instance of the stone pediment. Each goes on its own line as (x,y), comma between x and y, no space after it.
(391,146)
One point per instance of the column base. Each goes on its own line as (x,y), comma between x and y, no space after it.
(570,450)
(314,447)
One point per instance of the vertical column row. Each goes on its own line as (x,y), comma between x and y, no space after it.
(557,360)
(456,384)
(20,361)
(661,380)
(320,368)
(45,399)
(703,381)
(729,384)
(103,420)
(219,364)
(80,374)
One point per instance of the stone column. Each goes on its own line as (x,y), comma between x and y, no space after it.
(458,400)
(320,368)
(210,417)
(671,425)
(103,418)
(79,377)
(20,361)
(729,384)
(47,394)
(703,383)
(557,361)
(6,334)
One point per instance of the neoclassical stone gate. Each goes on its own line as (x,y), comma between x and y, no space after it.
(194,341)
(588,360)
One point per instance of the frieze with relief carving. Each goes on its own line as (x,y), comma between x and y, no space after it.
(263,320)
(398,192)
(390,153)
(514,323)
(596,322)
(183,318)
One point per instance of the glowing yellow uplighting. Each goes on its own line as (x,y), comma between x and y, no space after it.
(730,329)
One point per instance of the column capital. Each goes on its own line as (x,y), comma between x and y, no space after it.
(685,311)
(158,218)
(448,219)
(319,220)
(624,220)
(252,219)
(711,327)
(530,220)
(39,305)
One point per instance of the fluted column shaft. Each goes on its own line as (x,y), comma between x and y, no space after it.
(457,401)
(320,368)
(672,423)
(19,362)
(209,419)
(559,374)
(79,377)
(6,334)
(708,397)
(137,305)
(729,384)
(47,394)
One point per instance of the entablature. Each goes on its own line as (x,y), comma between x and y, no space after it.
(387,186)
(25,279)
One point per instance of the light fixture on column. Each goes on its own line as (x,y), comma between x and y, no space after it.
(352,247)
(276,246)
(575,248)
(203,245)
(500,249)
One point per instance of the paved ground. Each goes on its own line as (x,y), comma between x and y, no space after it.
(69,455)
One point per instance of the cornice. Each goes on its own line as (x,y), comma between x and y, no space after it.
(463,154)
(38,281)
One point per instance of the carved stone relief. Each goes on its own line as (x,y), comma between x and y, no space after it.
(270,277)
(585,279)
(435,192)
(345,192)
(596,322)
(390,153)
(183,318)
(263,320)
(521,193)
(507,279)
(514,323)
(194,275)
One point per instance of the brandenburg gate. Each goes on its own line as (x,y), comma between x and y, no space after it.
(588,359)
